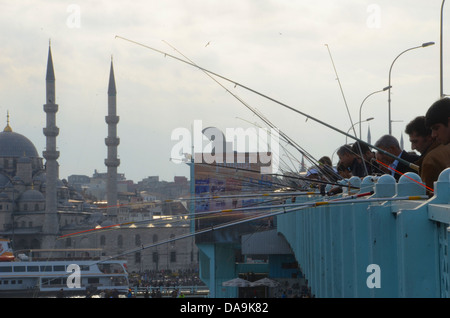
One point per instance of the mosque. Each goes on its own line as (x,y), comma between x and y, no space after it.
(30,191)
(23,189)
(37,208)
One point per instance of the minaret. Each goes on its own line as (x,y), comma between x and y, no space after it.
(302,165)
(51,225)
(8,127)
(112,142)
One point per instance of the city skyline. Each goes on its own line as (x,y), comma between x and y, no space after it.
(277,48)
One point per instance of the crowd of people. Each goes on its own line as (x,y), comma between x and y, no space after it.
(429,135)
(165,278)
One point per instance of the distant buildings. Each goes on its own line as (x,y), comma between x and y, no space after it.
(38,209)
(149,189)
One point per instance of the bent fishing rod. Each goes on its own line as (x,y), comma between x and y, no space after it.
(229,212)
(345,102)
(254,111)
(259,217)
(305,179)
(173,219)
(405,162)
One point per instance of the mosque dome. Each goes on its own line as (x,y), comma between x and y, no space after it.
(32,196)
(16,145)
(17,180)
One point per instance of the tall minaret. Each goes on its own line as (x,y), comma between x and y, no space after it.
(112,142)
(51,224)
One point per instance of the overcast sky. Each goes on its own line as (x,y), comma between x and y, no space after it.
(274,47)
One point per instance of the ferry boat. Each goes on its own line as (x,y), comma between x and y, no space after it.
(24,277)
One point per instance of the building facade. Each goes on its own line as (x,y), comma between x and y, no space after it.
(38,210)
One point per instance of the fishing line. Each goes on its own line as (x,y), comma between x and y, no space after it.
(403,174)
(210,214)
(345,102)
(263,216)
(286,176)
(340,86)
(363,159)
(209,198)
(252,109)
(247,181)
(186,217)
(411,165)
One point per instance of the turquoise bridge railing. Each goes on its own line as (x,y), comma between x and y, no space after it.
(375,248)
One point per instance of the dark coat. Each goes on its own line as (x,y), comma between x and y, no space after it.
(402,168)
(358,169)
(433,162)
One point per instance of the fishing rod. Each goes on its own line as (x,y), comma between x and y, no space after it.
(352,199)
(284,176)
(340,86)
(258,184)
(289,140)
(252,109)
(407,163)
(199,215)
(255,218)
(345,102)
(281,194)
(301,150)
(290,179)
(403,174)
(208,197)
(247,180)
(178,218)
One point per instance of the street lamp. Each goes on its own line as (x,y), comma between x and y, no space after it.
(359,122)
(390,69)
(360,108)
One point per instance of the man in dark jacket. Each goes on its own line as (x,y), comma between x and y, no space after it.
(438,119)
(349,160)
(368,158)
(390,144)
(435,157)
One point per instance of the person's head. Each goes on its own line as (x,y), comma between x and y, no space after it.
(437,119)
(343,171)
(419,134)
(389,144)
(325,161)
(346,155)
(364,148)
(313,173)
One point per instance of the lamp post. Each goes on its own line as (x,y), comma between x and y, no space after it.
(359,122)
(390,70)
(360,108)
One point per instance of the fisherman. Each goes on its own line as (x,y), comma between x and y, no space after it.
(368,158)
(343,171)
(326,167)
(438,119)
(435,157)
(349,159)
(390,144)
